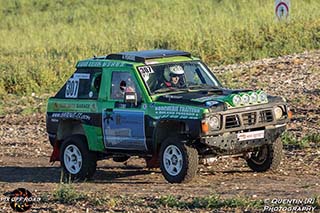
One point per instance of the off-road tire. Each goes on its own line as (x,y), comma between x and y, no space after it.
(89,159)
(190,161)
(272,158)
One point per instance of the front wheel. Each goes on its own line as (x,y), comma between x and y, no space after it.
(268,157)
(178,162)
(76,159)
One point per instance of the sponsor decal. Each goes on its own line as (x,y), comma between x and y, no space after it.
(74,115)
(250,135)
(180,112)
(100,64)
(86,107)
(129,57)
(145,72)
(72,86)
(211,103)
(144,106)
(152,105)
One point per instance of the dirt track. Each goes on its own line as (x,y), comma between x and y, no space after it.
(25,151)
(24,163)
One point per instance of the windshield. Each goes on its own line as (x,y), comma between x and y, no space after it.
(161,78)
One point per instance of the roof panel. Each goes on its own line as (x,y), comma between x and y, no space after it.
(142,56)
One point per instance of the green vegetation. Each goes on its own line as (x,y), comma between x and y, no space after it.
(25,105)
(104,201)
(66,194)
(316,202)
(208,202)
(291,140)
(42,40)
(313,138)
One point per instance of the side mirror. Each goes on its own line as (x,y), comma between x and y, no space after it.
(130,97)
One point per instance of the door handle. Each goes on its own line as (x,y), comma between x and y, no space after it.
(117,119)
(108,115)
(108,110)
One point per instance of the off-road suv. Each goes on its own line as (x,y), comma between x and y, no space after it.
(162,105)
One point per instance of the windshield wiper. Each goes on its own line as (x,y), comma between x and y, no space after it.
(170,89)
(202,86)
(166,89)
(190,87)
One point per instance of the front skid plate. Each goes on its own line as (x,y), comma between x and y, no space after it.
(230,143)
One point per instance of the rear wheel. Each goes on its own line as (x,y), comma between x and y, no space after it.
(76,159)
(268,157)
(178,162)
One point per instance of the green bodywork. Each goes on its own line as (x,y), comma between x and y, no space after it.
(150,105)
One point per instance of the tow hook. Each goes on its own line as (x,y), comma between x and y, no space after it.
(247,155)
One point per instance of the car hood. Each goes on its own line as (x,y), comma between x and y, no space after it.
(210,98)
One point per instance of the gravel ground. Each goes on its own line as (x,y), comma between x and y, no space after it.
(25,151)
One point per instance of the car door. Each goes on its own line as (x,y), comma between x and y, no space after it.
(123,124)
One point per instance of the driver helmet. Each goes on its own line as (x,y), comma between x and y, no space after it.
(172,71)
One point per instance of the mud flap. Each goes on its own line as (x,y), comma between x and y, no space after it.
(55,155)
(153,162)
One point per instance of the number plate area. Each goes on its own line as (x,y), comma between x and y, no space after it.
(250,135)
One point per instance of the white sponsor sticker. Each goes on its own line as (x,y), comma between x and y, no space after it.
(85,76)
(250,135)
(72,86)
(145,72)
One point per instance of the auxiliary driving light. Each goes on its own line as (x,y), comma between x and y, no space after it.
(236,100)
(245,99)
(262,97)
(253,98)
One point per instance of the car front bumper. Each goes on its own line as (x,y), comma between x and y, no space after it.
(230,143)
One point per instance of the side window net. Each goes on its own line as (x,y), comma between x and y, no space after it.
(123,82)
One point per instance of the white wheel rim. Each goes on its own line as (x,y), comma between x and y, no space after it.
(72,159)
(172,160)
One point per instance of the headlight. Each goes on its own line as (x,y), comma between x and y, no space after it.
(236,100)
(278,112)
(253,97)
(262,97)
(214,123)
(245,99)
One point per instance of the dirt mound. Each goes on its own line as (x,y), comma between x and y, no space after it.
(295,77)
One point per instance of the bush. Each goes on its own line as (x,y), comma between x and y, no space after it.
(309,140)
(42,40)
(66,194)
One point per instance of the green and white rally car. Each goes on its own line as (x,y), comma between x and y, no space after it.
(162,105)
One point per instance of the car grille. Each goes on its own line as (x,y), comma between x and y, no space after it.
(265,116)
(232,121)
(248,119)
